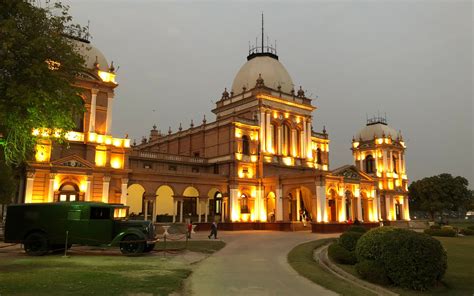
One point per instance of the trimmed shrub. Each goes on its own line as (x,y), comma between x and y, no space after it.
(369,246)
(349,240)
(356,228)
(466,231)
(436,226)
(340,255)
(441,232)
(470,227)
(413,260)
(373,272)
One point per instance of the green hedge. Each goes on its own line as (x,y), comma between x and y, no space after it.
(373,272)
(369,246)
(441,232)
(436,226)
(466,231)
(348,240)
(413,260)
(340,255)
(356,228)
(470,227)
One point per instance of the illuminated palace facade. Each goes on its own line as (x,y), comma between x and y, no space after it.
(258,161)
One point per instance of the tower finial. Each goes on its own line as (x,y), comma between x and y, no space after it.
(262,33)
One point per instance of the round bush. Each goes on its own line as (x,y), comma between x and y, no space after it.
(373,272)
(413,260)
(349,240)
(369,246)
(436,226)
(441,232)
(340,255)
(466,231)
(356,228)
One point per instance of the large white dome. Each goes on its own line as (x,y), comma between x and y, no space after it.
(378,130)
(273,73)
(91,54)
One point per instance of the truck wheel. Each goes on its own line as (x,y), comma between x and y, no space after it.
(131,245)
(36,244)
(149,248)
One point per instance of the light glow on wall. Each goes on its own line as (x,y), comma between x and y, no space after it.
(238,133)
(287,161)
(107,76)
(100,156)
(43,151)
(83,186)
(355,144)
(253,158)
(116,161)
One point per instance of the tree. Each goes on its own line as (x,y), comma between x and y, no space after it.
(38,66)
(438,193)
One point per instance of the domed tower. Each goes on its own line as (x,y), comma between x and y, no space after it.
(379,150)
(94,164)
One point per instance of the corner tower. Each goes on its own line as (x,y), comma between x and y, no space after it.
(379,150)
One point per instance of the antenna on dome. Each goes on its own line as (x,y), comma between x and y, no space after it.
(262,50)
(262,33)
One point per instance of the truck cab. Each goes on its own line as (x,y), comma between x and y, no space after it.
(44,227)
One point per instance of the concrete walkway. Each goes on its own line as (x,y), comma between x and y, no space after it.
(253,263)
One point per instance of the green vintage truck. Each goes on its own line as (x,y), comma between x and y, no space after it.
(44,227)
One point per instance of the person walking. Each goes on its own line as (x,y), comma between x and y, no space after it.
(213,230)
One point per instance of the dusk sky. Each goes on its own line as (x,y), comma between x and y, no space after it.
(410,60)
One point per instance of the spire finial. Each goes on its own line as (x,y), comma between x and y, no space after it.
(169,131)
(192,123)
(154,127)
(180,127)
(204,119)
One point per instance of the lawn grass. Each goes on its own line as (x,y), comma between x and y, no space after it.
(301,259)
(207,247)
(99,274)
(459,277)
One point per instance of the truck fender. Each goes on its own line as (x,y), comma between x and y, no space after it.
(122,234)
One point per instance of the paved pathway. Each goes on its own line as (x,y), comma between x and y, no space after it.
(253,263)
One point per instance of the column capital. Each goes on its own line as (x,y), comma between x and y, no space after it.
(107,178)
(52,175)
(124,180)
(30,174)
(94,91)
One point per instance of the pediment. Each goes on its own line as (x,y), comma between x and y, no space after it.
(351,172)
(73,161)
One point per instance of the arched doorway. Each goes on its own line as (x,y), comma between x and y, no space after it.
(349,205)
(135,194)
(398,210)
(215,208)
(69,192)
(190,207)
(270,205)
(164,204)
(332,206)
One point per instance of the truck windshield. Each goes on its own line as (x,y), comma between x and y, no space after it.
(120,213)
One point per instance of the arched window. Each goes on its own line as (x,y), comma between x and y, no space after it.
(244,204)
(218,203)
(319,159)
(395,163)
(369,164)
(245,145)
(286,140)
(274,133)
(298,143)
(69,192)
(348,205)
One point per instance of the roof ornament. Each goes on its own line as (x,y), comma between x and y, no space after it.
(324,130)
(292,92)
(300,93)
(231,93)
(204,119)
(192,124)
(244,89)
(260,81)
(169,131)
(154,127)
(96,63)
(225,94)
(112,68)
(134,143)
(180,127)
(144,140)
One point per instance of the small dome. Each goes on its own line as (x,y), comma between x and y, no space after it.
(272,71)
(377,129)
(91,55)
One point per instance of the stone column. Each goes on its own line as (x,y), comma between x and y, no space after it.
(198,209)
(269,139)
(303,140)
(384,155)
(293,147)
(30,179)
(298,205)
(406,209)
(390,161)
(279,204)
(108,126)
(379,208)
(262,131)
(175,209)
(399,164)
(51,187)
(206,213)
(234,205)
(105,189)
(153,217)
(93,110)
(359,209)
(343,208)
(146,209)
(181,211)
(280,141)
(388,204)
(308,136)
(123,196)
(88,195)
(321,203)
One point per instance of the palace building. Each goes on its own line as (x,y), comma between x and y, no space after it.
(258,165)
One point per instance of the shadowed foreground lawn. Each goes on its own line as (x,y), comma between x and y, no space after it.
(207,247)
(301,259)
(98,274)
(459,278)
